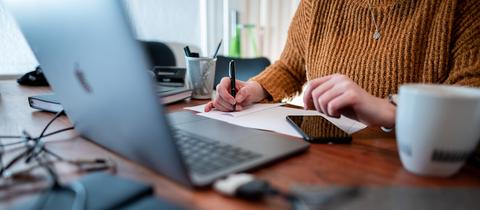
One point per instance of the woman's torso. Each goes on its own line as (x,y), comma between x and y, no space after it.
(414,44)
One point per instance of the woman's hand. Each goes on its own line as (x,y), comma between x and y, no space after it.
(247,93)
(336,95)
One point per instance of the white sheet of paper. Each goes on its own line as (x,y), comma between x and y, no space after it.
(272,117)
(199,108)
(247,110)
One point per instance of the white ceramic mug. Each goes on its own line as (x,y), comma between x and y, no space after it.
(437,127)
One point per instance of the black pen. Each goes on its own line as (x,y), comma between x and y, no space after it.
(218,48)
(231,73)
(187,51)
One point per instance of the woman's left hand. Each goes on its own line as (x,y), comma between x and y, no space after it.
(336,95)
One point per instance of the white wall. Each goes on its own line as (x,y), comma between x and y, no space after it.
(214,23)
(15,54)
(198,23)
(176,22)
(167,20)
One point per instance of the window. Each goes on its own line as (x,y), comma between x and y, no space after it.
(196,23)
(15,55)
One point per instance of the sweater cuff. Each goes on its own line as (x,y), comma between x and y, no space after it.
(274,92)
(276,84)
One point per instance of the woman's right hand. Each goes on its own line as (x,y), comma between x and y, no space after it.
(247,93)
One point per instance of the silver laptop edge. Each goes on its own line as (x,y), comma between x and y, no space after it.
(98,71)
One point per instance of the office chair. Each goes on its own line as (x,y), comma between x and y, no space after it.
(160,54)
(245,67)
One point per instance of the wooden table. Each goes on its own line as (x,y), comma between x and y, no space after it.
(371,160)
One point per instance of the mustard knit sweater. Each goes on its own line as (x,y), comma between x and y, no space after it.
(427,41)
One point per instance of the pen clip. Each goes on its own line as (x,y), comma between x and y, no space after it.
(231,69)
(231,72)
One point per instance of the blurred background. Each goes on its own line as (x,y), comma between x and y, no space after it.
(249,28)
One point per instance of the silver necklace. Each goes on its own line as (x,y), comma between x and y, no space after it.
(376,34)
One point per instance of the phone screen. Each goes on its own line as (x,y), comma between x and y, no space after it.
(318,130)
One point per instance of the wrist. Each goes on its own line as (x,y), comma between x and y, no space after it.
(260,92)
(388,115)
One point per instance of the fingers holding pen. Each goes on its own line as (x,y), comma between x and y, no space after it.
(224,101)
(223,94)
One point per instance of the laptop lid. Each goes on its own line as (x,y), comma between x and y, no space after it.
(82,45)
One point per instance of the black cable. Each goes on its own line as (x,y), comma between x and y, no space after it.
(51,172)
(13,161)
(53,153)
(2,150)
(55,184)
(46,135)
(37,149)
(58,131)
(29,153)
(246,186)
(49,123)
(11,137)
(13,143)
(259,189)
(33,152)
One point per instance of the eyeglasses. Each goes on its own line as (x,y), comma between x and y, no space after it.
(35,150)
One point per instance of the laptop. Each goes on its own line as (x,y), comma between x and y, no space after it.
(99,73)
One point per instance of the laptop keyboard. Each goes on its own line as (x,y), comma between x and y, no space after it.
(207,156)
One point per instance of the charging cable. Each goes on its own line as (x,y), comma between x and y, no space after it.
(247,187)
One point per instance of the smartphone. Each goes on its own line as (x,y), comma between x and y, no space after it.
(316,129)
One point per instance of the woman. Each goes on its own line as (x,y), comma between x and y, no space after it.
(354,53)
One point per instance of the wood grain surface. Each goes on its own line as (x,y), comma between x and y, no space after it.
(371,160)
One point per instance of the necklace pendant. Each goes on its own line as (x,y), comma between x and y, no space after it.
(376,35)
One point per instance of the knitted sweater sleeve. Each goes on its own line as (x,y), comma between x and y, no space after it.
(465,53)
(285,77)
